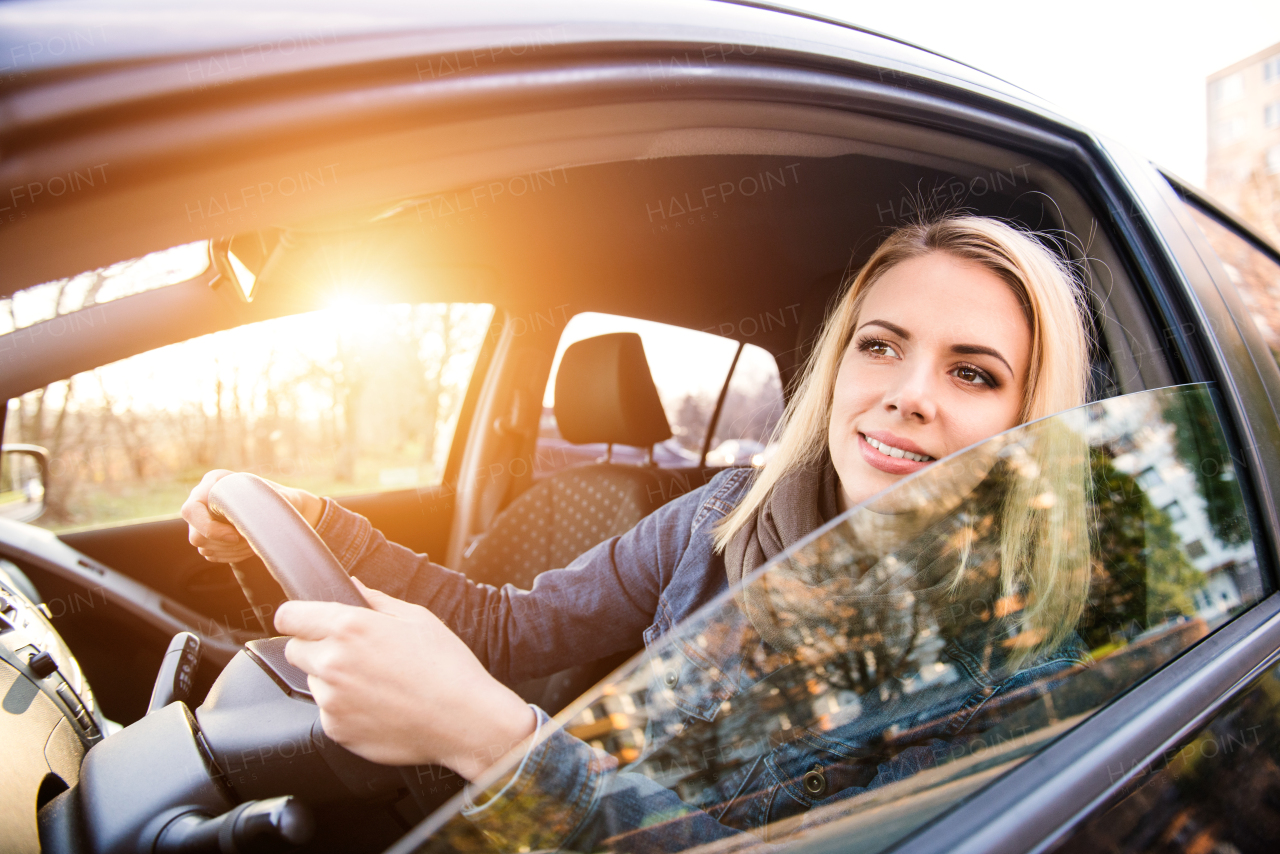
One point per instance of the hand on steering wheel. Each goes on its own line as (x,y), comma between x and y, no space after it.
(392,682)
(398,687)
(218,540)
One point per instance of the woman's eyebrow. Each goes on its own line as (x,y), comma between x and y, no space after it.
(892,327)
(978,350)
(962,349)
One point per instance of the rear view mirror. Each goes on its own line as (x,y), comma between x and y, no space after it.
(23,469)
(240,260)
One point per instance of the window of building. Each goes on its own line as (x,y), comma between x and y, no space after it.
(1149,478)
(1174,511)
(1271,70)
(1273,159)
(1271,114)
(1229,130)
(1227,89)
(1195,550)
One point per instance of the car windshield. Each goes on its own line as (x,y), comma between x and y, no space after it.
(902,656)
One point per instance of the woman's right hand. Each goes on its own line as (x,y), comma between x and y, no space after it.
(218,540)
(395,685)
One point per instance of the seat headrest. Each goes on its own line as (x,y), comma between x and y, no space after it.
(605,393)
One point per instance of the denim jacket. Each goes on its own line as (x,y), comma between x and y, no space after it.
(641,585)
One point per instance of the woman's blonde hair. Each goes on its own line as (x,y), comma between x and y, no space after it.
(1045,547)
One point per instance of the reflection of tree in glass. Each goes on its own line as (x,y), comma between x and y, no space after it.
(865,642)
(870,662)
(1140,575)
(1198,442)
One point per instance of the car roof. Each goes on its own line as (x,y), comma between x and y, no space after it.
(76,68)
(41,39)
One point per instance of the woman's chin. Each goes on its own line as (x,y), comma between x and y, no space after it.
(868,482)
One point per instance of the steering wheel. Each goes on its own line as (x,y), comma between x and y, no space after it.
(294,554)
(307,570)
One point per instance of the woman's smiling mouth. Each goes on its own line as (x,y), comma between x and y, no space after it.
(885,452)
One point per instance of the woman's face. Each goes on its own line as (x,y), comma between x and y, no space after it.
(938,361)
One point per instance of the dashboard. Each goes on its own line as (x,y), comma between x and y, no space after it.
(49,718)
(178,779)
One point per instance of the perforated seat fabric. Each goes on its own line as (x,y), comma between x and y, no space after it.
(604,392)
(561,517)
(552,523)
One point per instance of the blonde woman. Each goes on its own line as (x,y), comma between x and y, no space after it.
(953,331)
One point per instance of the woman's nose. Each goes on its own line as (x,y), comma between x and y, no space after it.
(914,398)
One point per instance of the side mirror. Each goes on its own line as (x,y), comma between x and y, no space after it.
(24,470)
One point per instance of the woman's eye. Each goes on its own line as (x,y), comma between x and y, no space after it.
(973,376)
(878,348)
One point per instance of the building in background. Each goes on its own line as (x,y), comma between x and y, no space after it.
(1243,169)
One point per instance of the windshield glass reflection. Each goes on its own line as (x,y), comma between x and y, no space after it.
(902,656)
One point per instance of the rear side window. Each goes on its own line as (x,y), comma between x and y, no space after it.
(1255,275)
(689,370)
(707,384)
(752,407)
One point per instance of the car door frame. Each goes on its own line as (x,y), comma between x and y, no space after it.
(1040,802)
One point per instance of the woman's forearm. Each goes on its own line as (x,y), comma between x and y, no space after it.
(573,615)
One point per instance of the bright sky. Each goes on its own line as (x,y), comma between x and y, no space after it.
(1133,71)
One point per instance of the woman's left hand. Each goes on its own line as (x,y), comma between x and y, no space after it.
(397,687)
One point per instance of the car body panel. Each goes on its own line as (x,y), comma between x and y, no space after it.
(1224,337)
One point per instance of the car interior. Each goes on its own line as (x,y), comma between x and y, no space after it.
(690,215)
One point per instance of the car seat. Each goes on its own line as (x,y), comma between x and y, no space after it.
(604,393)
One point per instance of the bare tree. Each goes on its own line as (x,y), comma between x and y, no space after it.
(348,388)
